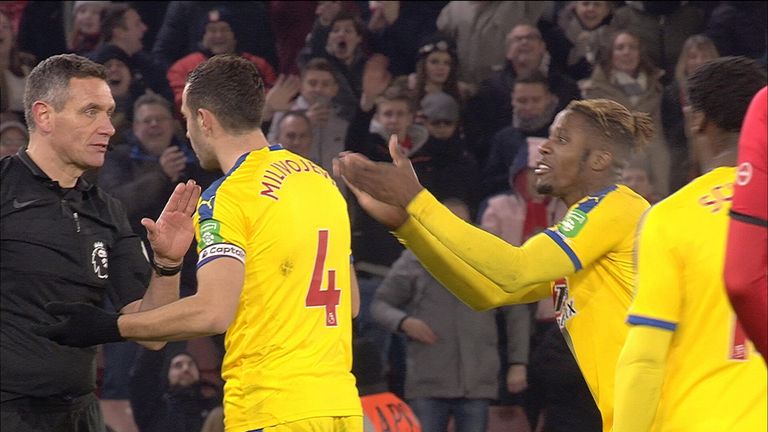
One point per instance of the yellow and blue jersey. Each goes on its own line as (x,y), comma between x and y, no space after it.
(598,236)
(714,379)
(288,350)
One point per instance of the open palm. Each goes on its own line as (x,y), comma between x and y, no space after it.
(172,234)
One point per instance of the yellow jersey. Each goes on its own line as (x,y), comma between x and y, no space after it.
(289,349)
(598,235)
(714,380)
(585,262)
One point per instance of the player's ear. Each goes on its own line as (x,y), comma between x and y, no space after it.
(697,122)
(205,120)
(601,160)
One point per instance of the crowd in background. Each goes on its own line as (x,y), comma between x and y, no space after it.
(469,88)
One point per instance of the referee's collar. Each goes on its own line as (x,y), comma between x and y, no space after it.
(81,185)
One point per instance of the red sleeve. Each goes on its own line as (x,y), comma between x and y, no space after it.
(266,70)
(177,75)
(746,274)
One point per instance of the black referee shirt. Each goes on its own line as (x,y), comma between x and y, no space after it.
(72,245)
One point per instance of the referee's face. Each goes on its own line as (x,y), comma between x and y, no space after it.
(81,130)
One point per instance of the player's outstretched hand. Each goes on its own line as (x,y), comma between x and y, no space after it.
(172,234)
(386,214)
(391,183)
(82,325)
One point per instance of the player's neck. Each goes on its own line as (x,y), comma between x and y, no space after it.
(234,146)
(722,151)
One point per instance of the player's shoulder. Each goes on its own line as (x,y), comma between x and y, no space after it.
(707,191)
(613,200)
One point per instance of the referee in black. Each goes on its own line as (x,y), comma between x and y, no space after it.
(63,240)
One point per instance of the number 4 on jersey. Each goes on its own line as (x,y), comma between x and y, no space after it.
(328,298)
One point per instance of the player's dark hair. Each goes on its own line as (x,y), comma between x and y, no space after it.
(723,88)
(231,88)
(49,81)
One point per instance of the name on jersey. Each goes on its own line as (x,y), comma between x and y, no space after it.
(564,306)
(717,197)
(273,179)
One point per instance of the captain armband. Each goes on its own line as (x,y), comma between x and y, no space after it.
(220,250)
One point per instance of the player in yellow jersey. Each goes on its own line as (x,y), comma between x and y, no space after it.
(686,364)
(584,262)
(273,269)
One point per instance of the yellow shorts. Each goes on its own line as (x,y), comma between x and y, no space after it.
(321,424)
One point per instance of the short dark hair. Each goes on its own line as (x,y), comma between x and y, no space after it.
(112,17)
(398,92)
(49,81)
(231,88)
(535,77)
(151,98)
(723,88)
(347,15)
(294,113)
(319,64)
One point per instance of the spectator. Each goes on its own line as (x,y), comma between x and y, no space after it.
(167,394)
(295,133)
(661,26)
(444,163)
(626,75)
(453,362)
(291,22)
(14,68)
(51,16)
(675,112)
(586,25)
(217,37)
(399,35)
(344,50)
(148,167)
(86,32)
(185,21)
(638,177)
(123,30)
(479,29)
(13,136)
(124,90)
(317,100)
(739,28)
(437,68)
(491,109)
(534,109)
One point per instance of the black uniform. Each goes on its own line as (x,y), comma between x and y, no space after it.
(71,245)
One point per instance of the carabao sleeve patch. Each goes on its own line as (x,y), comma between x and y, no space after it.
(572,223)
(210,233)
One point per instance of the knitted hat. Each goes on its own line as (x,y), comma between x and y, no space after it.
(440,106)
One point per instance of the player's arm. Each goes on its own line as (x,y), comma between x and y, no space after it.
(746,277)
(476,284)
(639,376)
(653,315)
(474,263)
(209,311)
